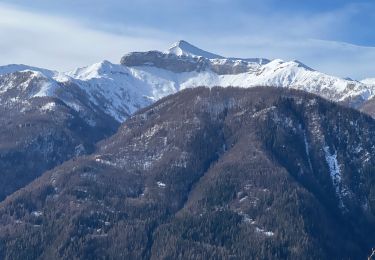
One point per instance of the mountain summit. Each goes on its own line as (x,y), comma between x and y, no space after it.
(183,48)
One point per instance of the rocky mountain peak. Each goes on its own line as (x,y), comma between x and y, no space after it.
(183,48)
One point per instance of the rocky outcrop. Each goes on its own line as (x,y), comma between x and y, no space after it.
(161,60)
(185,63)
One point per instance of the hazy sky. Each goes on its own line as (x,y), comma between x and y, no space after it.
(335,36)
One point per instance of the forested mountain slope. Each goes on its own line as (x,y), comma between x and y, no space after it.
(263,173)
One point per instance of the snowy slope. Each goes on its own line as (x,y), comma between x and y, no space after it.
(369,81)
(120,89)
(113,87)
(110,87)
(253,72)
(276,73)
(21,67)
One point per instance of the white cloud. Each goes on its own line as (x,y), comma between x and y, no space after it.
(59,43)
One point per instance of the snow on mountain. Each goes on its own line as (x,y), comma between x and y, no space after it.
(277,73)
(369,81)
(113,87)
(183,48)
(7,69)
(144,77)
(26,83)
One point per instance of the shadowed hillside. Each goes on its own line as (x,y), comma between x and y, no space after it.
(230,173)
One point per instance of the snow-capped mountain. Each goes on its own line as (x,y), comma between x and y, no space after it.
(184,65)
(141,78)
(100,88)
(183,48)
(238,158)
(369,81)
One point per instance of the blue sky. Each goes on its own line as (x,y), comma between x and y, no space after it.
(333,36)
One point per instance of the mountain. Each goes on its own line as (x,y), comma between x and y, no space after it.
(368,107)
(113,88)
(258,173)
(103,95)
(184,65)
(11,68)
(109,88)
(183,48)
(39,131)
(141,78)
(369,81)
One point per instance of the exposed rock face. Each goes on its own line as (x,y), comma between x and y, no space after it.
(257,173)
(184,63)
(233,67)
(184,57)
(170,62)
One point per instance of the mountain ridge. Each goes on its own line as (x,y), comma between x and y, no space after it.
(223,172)
(144,77)
(278,168)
